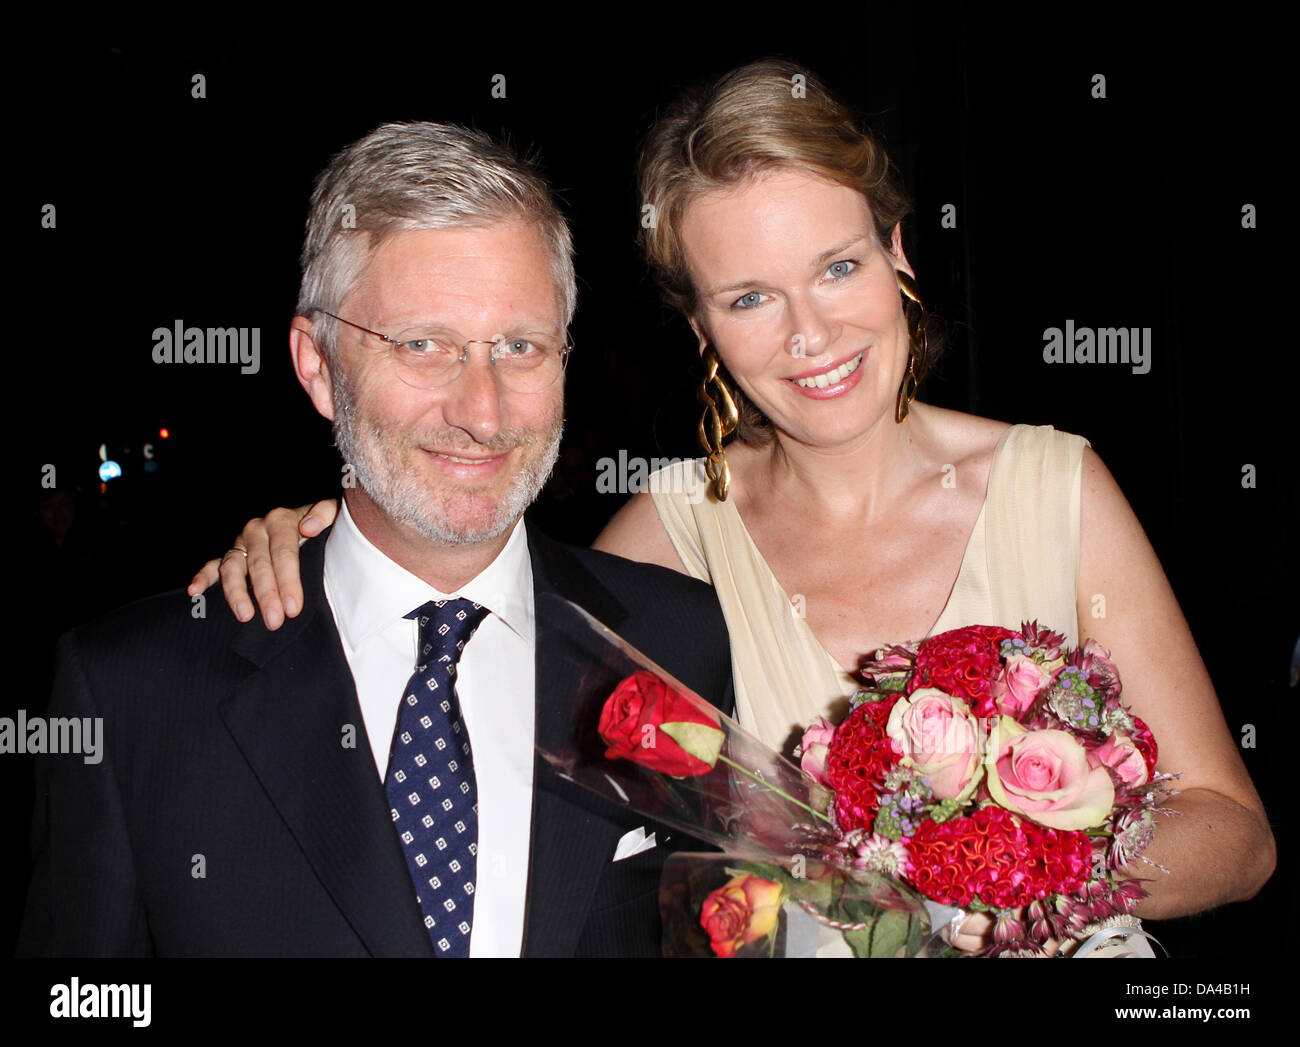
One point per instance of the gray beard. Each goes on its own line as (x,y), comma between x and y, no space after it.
(405,500)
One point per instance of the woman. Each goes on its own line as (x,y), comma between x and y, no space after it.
(847,516)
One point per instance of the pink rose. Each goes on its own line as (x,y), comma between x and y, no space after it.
(1047,777)
(939,736)
(814,749)
(1019,686)
(1121,755)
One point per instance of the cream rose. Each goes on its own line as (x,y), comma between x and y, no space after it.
(938,736)
(1047,777)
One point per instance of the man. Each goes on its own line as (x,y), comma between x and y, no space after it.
(362,780)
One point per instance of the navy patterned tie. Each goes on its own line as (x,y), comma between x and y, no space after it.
(430,780)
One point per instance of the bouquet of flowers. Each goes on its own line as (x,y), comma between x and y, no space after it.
(982,769)
(996,771)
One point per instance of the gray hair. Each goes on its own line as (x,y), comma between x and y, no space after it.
(418,176)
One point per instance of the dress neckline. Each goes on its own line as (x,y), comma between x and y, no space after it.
(975,530)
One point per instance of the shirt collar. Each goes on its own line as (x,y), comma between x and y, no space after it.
(368,591)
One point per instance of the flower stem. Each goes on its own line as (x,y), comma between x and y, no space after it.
(780,792)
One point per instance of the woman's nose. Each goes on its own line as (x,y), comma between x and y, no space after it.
(811,329)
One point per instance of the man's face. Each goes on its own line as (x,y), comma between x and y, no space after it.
(459,463)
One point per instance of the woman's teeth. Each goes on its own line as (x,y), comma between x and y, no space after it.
(840,373)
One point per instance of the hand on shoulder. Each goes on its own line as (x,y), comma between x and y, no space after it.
(266,552)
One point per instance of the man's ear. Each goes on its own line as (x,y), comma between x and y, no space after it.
(896,250)
(311,366)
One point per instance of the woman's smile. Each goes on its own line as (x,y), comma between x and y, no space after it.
(835,379)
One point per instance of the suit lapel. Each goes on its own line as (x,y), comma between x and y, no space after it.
(288,718)
(569,851)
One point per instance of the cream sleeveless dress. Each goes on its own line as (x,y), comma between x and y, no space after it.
(1021,563)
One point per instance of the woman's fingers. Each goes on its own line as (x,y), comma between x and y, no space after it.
(205,579)
(970,933)
(232,569)
(284,583)
(265,555)
(319,515)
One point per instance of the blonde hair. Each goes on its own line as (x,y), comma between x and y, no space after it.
(769,114)
(419,175)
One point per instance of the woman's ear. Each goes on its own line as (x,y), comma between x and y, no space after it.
(311,365)
(700,333)
(896,250)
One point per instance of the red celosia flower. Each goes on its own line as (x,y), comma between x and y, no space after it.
(992,854)
(963,663)
(859,756)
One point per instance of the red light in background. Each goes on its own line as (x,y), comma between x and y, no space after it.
(164,433)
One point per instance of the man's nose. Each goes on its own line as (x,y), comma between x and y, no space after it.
(473,401)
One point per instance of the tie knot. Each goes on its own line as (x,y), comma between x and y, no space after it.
(445,628)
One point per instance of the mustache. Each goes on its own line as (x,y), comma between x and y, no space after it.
(454,440)
(445,439)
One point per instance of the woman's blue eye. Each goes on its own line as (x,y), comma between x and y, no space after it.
(841,269)
(748,301)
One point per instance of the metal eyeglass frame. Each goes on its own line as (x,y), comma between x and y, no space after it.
(564,352)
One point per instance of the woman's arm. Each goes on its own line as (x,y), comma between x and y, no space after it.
(1220,848)
(635,532)
(272,562)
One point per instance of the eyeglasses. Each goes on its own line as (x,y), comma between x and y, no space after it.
(429,358)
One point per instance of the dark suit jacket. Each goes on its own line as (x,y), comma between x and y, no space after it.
(227,817)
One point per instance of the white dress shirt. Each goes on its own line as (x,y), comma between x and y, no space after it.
(369,594)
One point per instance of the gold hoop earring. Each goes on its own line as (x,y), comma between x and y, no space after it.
(719,420)
(918,350)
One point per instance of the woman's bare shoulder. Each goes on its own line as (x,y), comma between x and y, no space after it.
(967,441)
(636,533)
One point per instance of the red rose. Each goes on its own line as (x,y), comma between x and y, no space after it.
(962,663)
(652,725)
(742,911)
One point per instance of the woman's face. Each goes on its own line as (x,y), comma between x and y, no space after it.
(798,297)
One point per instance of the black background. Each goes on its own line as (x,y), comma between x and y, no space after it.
(1123,211)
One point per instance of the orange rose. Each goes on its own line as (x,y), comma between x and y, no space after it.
(742,911)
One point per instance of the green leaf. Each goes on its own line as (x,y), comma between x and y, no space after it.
(890,935)
(916,932)
(816,892)
(859,942)
(700,740)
